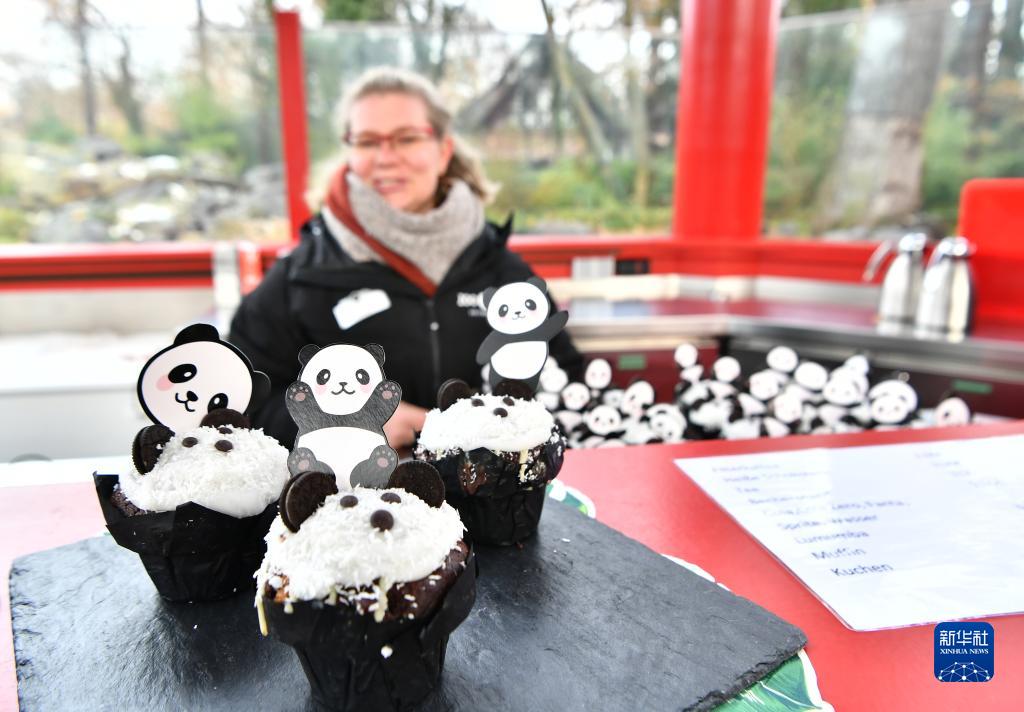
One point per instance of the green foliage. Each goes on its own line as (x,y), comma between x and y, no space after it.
(51,129)
(14,225)
(206,125)
(358,10)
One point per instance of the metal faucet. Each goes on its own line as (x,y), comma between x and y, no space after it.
(946,308)
(897,303)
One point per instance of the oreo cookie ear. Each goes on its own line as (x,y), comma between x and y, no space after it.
(452,390)
(302,495)
(148,445)
(225,416)
(421,479)
(514,388)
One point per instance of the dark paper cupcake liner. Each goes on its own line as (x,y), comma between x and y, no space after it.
(341,650)
(495,505)
(192,553)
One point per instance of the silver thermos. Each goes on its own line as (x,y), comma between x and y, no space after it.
(898,301)
(946,306)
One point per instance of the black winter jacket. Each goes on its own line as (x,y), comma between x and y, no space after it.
(426,340)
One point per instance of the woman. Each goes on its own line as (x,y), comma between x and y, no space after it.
(397,255)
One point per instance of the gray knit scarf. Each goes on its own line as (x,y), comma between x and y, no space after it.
(431,241)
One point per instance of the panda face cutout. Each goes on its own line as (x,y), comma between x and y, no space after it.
(636,399)
(198,374)
(342,378)
(612,397)
(603,420)
(598,374)
(787,408)
(952,411)
(575,396)
(517,308)
(892,402)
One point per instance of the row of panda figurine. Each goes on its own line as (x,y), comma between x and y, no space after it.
(787,396)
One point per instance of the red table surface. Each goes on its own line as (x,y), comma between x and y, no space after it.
(640,492)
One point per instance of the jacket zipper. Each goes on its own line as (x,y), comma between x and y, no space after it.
(435,342)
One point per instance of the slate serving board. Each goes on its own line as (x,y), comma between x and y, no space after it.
(595,622)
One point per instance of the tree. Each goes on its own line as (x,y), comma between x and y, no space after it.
(122,87)
(1011,45)
(876,175)
(74,17)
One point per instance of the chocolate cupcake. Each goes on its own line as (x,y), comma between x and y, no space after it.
(196,506)
(366,585)
(496,454)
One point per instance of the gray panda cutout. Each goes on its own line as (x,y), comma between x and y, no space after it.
(198,373)
(340,403)
(517,348)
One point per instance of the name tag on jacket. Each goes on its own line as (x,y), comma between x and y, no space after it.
(359,305)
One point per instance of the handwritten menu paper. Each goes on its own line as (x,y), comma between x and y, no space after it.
(890,535)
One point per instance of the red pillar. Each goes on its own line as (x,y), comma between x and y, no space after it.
(292,98)
(727,61)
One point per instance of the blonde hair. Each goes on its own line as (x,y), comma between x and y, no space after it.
(465,163)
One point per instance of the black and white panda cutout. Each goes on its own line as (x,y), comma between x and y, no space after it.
(844,409)
(340,402)
(690,371)
(636,399)
(552,380)
(517,348)
(893,403)
(783,361)
(197,374)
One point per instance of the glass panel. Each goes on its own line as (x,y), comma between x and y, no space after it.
(880,116)
(562,143)
(179,149)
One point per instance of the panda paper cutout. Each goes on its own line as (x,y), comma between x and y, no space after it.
(517,348)
(197,374)
(340,403)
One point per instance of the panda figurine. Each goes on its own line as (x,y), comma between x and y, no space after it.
(552,380)
(690,371)
(598,378)
(517,348)
(783,361)
(844,409)
(893,403)
(952,410)
(667,422)
(602,425)
(340,402)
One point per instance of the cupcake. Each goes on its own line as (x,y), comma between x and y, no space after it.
(367,585)
(496,453)
(204,487)
(197,507)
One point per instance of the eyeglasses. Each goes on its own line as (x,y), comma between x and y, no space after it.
(402,141)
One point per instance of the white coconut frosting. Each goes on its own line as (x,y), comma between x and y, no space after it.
(337,548)
(240,482)
(464,426)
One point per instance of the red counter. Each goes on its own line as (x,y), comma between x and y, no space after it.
(640,492)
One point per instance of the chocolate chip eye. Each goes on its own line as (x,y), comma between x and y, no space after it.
(349,500)
(362,376)
(477,402)
(181,373)
(189,441)
(225,430)
(507,400)
(531,305)
(224,445)
(323,377)
(218,401)
(381,520)
(391,497)
(500,412)
(503,310)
